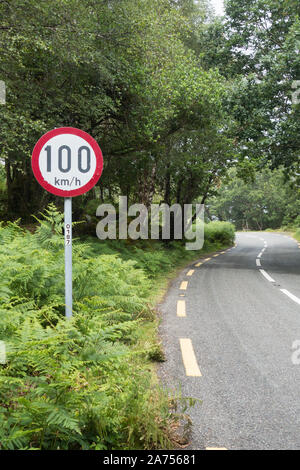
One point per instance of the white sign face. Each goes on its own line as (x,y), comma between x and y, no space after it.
(67,162)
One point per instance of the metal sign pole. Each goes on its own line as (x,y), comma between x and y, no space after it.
(67,162)
(68,255)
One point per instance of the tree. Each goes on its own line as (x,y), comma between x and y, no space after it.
(263,39)
(54,76)
(266,202)
(126,73)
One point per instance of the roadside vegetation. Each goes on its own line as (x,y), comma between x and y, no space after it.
(88,382)
(266,200)
(187,108)
(297,234)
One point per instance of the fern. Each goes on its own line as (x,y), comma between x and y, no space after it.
(83,383)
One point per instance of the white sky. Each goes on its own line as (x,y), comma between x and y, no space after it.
(218,6)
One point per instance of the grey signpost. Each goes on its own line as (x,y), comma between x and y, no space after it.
(68,256)
(67,162)
(2,92)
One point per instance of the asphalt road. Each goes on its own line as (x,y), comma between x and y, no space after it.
(230,341)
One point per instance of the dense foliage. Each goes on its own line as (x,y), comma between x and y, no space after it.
(83,383)
(266,201)
(264,40)
(174,96)
(124,72)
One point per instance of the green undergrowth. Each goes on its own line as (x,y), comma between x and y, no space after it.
(297,234)
(86,382)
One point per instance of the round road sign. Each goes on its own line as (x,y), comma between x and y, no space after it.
(67,162)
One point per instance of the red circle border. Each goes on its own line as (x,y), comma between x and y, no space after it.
(73,131)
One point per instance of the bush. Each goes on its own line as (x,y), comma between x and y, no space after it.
(219,232)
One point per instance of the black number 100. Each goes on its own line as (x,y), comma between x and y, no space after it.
(64,150)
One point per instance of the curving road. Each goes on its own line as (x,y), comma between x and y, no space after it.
(230,327)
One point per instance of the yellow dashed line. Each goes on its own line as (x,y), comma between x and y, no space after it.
(189,358)
(198,265)
(207,259)
(216,255)
(183,285)
(191,272)
(181,308)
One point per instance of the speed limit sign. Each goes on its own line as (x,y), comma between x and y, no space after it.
(67,162)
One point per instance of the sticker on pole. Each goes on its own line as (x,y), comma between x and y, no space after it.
(67,162)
